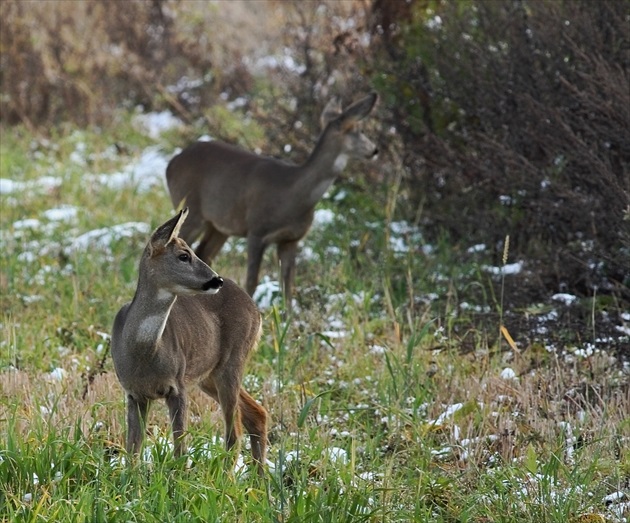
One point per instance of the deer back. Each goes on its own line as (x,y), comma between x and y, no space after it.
(232,188)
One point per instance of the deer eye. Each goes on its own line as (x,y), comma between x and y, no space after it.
(185,257)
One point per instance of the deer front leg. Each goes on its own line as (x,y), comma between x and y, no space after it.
(136,421)
(176,402)
(255,250)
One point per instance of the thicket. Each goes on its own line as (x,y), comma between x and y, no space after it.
(515,119)
(505,118)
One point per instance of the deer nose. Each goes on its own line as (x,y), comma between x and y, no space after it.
(215,283)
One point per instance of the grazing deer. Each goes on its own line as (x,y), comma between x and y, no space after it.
(232,192)
(185,326)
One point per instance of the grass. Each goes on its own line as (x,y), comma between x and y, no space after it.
(386,399)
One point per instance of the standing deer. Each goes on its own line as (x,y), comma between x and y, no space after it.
(186,326)
(232,192)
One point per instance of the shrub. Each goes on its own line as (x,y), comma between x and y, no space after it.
(514,120)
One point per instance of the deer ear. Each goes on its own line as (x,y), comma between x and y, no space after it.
(358,110)
(168,231)
(330,112)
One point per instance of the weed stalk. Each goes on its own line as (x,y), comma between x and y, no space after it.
(506,250)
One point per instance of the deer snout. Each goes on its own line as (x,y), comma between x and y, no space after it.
(374,153)
(213,285)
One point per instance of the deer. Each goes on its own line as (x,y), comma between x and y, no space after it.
(234,192)
(184,326)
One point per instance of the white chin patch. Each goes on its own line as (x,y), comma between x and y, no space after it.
(180,290)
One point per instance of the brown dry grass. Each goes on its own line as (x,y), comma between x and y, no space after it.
(503,416)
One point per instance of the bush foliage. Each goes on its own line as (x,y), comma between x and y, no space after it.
(500,117)
(514,118)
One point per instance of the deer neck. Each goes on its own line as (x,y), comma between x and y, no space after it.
(148,314)
(321,169)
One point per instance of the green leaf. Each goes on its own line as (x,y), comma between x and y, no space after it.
(307,407)
(531,460)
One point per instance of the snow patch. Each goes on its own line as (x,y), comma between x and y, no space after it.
(58,374)
(143,174)
(377,349)
(323,217)
(510,268)
(480,247)
(266,293)
(43,184)
(448,413)
(27,223)
(508,374)
(284,62)
(63,213)
(562,297)
(103,238)
(156,123)
(336,455)
(623,329)
(405,237)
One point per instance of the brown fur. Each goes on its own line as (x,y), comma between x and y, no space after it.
(232,192)
(186,326)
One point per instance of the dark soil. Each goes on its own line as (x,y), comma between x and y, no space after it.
(532,317)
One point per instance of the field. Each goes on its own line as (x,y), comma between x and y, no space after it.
(389,399)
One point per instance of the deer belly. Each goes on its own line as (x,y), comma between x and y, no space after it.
(287,233)
(149,380)
(231,229)
(152,390)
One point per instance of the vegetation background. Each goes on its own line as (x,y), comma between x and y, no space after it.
(496,119)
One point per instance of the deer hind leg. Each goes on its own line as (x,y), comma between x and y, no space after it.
(255,420)
(192,228)
(286,254)
(227,396)
(210,243)
(255,250)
